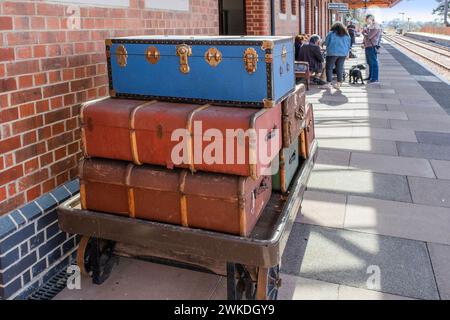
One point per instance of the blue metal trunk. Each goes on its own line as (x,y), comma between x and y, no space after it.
(238,71)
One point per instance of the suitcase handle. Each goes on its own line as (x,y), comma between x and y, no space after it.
(293,156)
(271,133)
(298,114)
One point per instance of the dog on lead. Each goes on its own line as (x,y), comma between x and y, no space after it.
(355,74)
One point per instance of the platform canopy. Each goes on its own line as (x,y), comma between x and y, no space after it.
(357,4)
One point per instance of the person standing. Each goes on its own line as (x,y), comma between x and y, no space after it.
(372,36)
(338,45)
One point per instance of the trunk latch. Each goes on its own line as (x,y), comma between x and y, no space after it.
(184,51)
(250,60)
(213,57)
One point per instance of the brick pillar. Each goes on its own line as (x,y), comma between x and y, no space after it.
(258,17)
(308,16)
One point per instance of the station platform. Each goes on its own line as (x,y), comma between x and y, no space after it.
(375,219)
(430,37)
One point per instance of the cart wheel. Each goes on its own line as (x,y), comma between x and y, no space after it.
(240,284)
(269,282)
(95,258)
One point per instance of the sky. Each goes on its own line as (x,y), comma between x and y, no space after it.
(417,10)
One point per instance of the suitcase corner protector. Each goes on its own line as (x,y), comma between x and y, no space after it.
(108,42)
(112,93)
(267,45)
(268,103)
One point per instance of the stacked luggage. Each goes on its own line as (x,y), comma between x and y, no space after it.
(194,129)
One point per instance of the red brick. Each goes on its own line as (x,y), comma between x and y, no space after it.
(6,23)
(54,76)
(39,51)
(26,110)
(53,63)
(73,148)
(25,81)
(59,141)
(56,102)
(8,115)
(2,165)
(11,174)
(48,185)
(22,38)
(53,23)
(82,84)
(7,54)
(21,23)
(56,89)
(11,203)
(30,152)
(29,138)
(19,8)
(27,124)
(62,178)
(37,23)
(31,165)
(26,96)
(42,106)
(40,79)
(24,53)
(52,37)
(9,144)
(8,84)
(62,165)
(68,74)
(22,67)
(60,153)
(79,60)
(33,179)
(33,193)
(57,115)
(44,9)
(46,159)
(11,188)
(2,69)
(58,128)
(2,194)
(69,99)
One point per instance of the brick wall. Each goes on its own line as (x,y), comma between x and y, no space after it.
(52,59)
(47,69)
(287,22)
(258,17)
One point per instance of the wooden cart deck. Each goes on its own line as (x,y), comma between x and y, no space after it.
(207,249)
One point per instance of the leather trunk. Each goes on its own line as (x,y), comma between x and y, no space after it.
(154,132)
(307,135)
(224,203)
(289,160)
(293,110)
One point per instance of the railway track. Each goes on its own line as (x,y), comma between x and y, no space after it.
(434,54)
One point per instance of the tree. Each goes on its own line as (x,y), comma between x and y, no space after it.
(443,10)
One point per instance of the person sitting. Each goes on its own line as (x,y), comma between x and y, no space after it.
(310,52)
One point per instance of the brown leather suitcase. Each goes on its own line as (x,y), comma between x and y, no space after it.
(307,135)
(293,110)
(141,132)
(224,203)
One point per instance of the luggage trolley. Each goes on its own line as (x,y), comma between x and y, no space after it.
(251,264)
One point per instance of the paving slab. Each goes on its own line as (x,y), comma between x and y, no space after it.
(360,145)
(420,110)
(391,164)
(398,219)
(337,179)
(135,279)
(333,157)
(351,106)
(423,150)
(323,209)
(385,134)
(441,168)
(434,192)
(422,125)
(428,117)
(352,293)
(440,259)
(442,139)
(349,258)
(299,288)
(352,121)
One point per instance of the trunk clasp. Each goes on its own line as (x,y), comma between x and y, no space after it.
(184,51)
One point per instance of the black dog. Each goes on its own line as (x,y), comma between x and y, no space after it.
(356,74)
